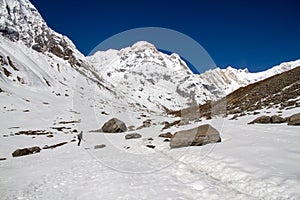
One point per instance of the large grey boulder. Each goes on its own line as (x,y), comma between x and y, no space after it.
(198,136)
(114,125)
(294,120)
(26,151)
(275,119)
(261,120)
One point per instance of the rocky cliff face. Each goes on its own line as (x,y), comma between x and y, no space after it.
(20,21)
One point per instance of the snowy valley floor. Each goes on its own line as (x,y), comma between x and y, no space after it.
(251,162)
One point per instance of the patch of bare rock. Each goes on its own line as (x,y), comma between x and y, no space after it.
(99,146)
(54,146)
(166,135)
(132,136)
(26,151)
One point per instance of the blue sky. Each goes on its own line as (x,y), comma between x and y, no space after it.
(254,34)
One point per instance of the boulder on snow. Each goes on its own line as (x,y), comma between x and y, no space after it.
(166,135)
(26,151)
(99,146)
(198,136)
(114,125)
(131,128)
(294,120)
(261,120)
(170,124)
(150,146)
(54,145)
(234,117)
(132,136)
(147,123)
(275,119)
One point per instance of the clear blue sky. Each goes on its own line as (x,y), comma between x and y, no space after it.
(254,34)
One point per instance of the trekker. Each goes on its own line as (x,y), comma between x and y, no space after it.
(79,137)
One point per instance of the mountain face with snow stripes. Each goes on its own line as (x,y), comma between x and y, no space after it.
(150,77)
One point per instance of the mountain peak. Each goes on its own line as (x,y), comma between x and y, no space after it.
(232,69)
(143,45)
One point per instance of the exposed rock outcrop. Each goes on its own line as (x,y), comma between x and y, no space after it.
(132,136)
(99,146)
(166,135)
(26,151)
(275,119)
(261,120)
(54,146)
(22,22)
(294,120)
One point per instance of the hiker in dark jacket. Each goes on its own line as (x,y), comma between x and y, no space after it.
(79,137)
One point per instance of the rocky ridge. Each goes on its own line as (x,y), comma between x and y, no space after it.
(20,21)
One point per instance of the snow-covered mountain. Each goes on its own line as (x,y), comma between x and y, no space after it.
(148,77)
(34,57)
(221,82)
(140,75)
(151,78)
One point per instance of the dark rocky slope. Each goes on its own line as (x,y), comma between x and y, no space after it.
(279,91)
